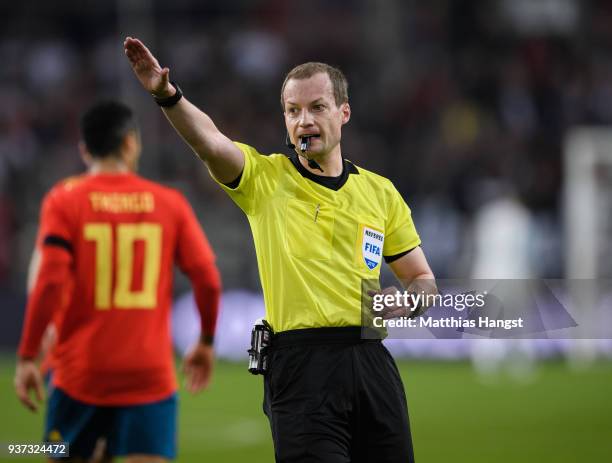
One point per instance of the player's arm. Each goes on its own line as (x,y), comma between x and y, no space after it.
(223,158)
(46,296)
(49,273)
(197,260)
(413,271)
(50,335)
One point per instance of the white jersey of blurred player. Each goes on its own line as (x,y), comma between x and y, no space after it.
(502,229)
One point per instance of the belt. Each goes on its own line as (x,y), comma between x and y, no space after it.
(322,336)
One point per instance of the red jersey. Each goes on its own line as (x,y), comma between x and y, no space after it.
(109,244)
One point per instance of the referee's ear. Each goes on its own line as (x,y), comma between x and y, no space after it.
(345,110)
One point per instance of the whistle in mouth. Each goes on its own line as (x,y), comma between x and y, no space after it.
(304,143)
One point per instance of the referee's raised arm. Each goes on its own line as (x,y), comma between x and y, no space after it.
(223,158)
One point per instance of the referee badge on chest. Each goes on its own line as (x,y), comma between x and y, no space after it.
(371,246)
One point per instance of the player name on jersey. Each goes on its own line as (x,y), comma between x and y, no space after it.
(122,202)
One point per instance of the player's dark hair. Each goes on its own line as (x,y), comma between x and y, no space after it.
(307,70)
(105,125)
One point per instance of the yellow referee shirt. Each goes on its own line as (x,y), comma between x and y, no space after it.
(315,244)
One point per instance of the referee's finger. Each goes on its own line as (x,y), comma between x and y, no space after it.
(397,311)
(389,290)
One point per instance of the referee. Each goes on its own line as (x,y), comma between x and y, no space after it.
(321,226)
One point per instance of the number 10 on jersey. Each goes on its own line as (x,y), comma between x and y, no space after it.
(127,234)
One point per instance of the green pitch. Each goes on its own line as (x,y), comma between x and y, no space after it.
(560,416)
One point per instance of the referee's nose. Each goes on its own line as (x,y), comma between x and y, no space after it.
(306,118)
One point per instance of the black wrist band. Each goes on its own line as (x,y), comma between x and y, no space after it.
(207,339)
(171,100)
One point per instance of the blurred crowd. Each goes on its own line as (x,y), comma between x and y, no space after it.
(460,103)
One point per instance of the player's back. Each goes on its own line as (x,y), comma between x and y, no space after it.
(114,338)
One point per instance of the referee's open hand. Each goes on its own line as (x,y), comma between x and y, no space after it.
(154,78)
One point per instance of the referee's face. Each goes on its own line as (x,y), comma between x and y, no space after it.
(310,109)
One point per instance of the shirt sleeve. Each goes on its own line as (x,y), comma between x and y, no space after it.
(196,259)
(400,232)
(257,180)
(55,220)
(53,277)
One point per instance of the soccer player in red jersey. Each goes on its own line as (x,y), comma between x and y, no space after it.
(108,242)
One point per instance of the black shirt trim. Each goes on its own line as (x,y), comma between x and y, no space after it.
(54,240)
(234,183)
(333,183)
(389,259)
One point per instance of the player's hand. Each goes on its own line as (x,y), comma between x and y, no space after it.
(28,378)
(392,310)
(198,367)
(151,75)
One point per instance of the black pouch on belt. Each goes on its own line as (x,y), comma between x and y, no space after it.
(261,339)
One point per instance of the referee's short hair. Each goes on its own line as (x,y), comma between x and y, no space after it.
(307,70)
(105,125)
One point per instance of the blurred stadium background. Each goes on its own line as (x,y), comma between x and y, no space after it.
(468,106)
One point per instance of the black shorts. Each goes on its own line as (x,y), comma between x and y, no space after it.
(335,398)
